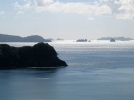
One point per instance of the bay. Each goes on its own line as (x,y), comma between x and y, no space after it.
(96,71)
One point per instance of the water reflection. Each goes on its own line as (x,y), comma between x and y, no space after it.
(47,70)
(95,72)
(28,84)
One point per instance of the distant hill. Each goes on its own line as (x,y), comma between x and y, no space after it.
(116,38)
(13,38)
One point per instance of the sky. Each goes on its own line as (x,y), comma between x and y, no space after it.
(67,19)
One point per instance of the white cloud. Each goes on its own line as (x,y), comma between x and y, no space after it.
(48,1)
(120,9)
(127,9)
(27,5)
(77,8)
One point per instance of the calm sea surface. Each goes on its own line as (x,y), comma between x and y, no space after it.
(96,71)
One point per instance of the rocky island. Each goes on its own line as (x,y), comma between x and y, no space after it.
(112,40)
(40,55)
(81,40)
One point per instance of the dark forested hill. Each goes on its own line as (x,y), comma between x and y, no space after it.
(40,55)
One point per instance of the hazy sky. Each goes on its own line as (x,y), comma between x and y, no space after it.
(68,19)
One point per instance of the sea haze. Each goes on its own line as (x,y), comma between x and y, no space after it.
(97,71)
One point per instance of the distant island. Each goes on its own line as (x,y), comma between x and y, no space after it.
(81,40)
(60,39)
(13,38)
(40,55)
(112,40)
(116,38)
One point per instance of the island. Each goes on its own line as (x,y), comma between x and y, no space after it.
(40,55)
(81,40)
(112,40)
(60,39)
(89,40)
(13,38)
(116,38)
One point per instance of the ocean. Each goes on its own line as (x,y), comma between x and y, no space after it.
(98,70)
